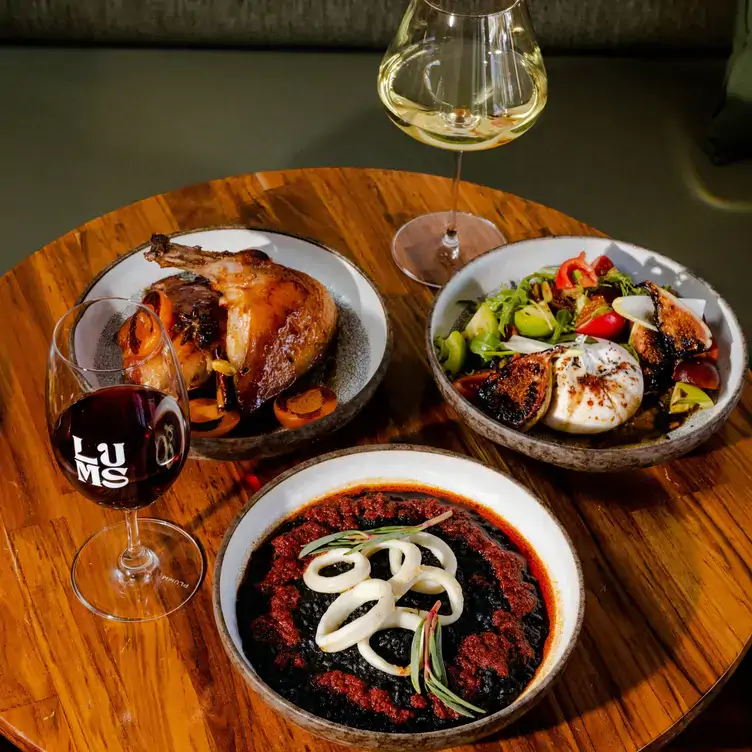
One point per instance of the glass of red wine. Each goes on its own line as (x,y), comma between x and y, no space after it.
(117,413)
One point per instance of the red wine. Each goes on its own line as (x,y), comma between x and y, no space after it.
(122,446)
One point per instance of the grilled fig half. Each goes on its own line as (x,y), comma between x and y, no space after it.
(519,394)
(684,333)
(655,362)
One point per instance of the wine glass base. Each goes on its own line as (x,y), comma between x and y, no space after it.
(104,587)
(419,247)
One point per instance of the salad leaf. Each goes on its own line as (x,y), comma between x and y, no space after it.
(488,346)
(564,325)
(505,302)
(615,278)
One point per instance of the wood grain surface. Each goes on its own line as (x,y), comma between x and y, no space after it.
(666,552)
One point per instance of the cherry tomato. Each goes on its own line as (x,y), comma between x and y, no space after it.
(469,386)
(565,279)
(699,373)
(297,410)
(602,264)
(606,326)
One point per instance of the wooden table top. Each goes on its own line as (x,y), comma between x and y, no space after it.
(666,551)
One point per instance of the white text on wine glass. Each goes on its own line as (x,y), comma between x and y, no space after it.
(111,473)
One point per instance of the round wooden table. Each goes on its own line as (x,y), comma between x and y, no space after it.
(666,552)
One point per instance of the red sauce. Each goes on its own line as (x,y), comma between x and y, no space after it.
(489,650)
(358,692)
(476,654)
(534,564)
(507,566)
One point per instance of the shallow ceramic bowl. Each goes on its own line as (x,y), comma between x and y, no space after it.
(364,342)
(511,263)
(428,467)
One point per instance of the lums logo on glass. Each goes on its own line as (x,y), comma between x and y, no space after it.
(103,470)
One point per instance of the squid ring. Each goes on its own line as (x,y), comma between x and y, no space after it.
(340,582)
(449,583)
(401,618)
(408,567)
(332,638)
(439,548)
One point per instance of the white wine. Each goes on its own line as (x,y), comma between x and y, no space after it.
(460,75)
(442,95)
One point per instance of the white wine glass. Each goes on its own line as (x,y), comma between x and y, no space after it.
(461,75)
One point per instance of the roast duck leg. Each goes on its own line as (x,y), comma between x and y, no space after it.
(271,323)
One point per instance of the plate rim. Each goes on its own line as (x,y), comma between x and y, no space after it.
(456,735)
(331,423)
(700,434)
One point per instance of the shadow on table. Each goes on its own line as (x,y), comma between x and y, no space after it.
(628,634)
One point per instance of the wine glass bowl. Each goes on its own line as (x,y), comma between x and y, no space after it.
(460,75)
(117,414)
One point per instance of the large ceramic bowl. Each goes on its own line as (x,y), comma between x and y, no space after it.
(427,467)
(364,340)
(511,263)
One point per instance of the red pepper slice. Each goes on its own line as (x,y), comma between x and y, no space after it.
(565,280)
(602,265)
(606,326)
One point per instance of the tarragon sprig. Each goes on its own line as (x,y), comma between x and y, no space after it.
(427,643)
(357,540)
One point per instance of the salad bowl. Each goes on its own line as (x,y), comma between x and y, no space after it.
(505,267)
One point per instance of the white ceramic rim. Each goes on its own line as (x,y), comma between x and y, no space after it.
(532,692)
(720,411)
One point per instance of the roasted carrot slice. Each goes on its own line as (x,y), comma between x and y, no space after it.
(229,420)
(298,410)
(138,337)
(158,301)
(205,410)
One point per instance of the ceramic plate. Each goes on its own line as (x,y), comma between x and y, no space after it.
(511,263)
(413,465)
(363,342)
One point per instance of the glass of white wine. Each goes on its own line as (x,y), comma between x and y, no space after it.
(461,75)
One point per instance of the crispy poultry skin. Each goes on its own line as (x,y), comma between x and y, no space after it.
(279,321)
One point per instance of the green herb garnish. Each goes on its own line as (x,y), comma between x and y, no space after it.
(505,302)
(427,644)
(357,540)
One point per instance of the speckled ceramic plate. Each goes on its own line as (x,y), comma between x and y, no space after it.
(422,466)
(511,263)
(363,344)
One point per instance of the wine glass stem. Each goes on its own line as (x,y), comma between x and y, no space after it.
(451,239)
(136,558)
